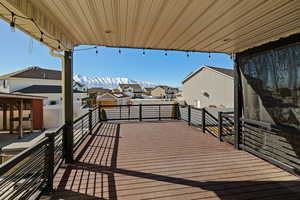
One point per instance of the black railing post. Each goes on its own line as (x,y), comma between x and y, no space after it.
(203,119)
(220,119)
(99,113)
(140,112)
(90,121)
(189,115)
(50,162)
(128,113)
(120,112)
(159,112)
(178,112)
(238,103)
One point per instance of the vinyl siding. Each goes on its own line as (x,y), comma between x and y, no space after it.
(219,87)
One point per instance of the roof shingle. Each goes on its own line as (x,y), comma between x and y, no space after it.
(39,89)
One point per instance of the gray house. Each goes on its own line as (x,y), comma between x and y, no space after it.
(209,87)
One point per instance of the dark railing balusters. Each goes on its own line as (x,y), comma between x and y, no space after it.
(220,125)
(50,161)
(128,112)
(203,120)
(140,112)
(90,121)
(159,118)
(99,113)
(189,115)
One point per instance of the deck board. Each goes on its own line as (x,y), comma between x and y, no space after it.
(167,160)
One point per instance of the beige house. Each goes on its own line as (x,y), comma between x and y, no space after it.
(164,92)
(131,90)
(209,87)
(112,99)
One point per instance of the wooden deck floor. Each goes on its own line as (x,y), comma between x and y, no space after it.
(168,160)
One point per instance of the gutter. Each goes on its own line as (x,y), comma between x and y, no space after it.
(53,53)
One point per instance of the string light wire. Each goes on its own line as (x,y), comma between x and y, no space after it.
(12,25)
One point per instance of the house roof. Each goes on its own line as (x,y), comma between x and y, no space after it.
(108,95)
(77,83)
(134,86)
(227,72)
(98,90)
(34,73)
(40,89)
(165,87)
(148,89)
(19,96)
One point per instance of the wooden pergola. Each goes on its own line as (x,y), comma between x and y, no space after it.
(13,107)
(222,26)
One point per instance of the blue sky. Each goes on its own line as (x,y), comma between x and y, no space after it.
(19,51)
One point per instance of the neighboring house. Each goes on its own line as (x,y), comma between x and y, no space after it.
(131,90)
(91,100)
(108,99)
(37,81)
(164,92)
(179,97)
(209,87)
(52,92)
(79,87)
(98,91)
(147,91)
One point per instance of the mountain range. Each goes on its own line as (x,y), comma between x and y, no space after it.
(109,82)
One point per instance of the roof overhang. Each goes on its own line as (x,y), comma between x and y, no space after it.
(20,96)
(226,26)
(192,74)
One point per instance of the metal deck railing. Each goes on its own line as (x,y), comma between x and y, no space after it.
(31,172)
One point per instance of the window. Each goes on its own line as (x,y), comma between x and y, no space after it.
(52,102)
(3,83)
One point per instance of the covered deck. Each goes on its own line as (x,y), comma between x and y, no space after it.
(167,160)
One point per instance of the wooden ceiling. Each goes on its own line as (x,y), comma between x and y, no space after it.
(226,26)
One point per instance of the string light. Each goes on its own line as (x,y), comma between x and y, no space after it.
(166,53)
(42,39)
(144,52)
(209,56)
(59,45)
(188,54)
(96,50)
(12,23)
(14,16)
(119,51)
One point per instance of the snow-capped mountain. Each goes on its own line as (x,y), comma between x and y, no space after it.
(108,82)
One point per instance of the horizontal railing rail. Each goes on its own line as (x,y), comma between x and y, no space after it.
(226,126)
(221,126)
(31,172)
(211,123)
(84,125)
(23,176)
(139,112)
(273,143)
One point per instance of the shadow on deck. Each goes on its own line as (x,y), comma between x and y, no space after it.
(147,160)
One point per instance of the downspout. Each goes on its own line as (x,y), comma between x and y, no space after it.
(54,53)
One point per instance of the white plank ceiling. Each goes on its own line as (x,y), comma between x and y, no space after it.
(227,26)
